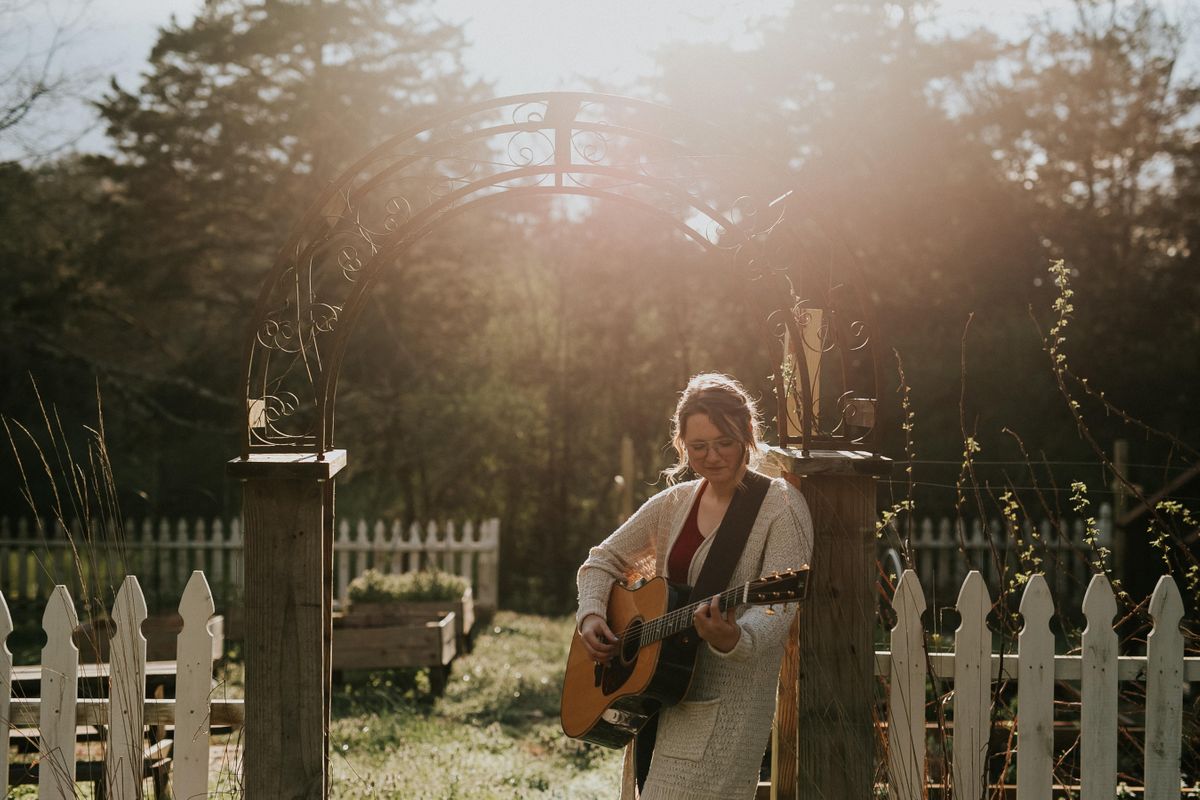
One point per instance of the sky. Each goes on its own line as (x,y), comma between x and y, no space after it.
(518,45)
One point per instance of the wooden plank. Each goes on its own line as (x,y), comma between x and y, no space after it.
(1164,692)
(60,667)
(127,689)
(1035,693)
(836,717)
(192,689)
(6,627)
(1098,714)
(850,463)
(784,747)
(431,643)
(33,673)
(972,688)
(285,753)
(288,466)
(25,712)
(906,693)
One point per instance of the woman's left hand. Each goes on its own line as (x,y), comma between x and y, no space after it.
(718,629)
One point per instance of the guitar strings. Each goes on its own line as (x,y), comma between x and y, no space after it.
(662,626)
(674,621)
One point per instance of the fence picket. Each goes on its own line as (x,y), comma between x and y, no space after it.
(217,559)
(1164,692)
(192,688)
(379,546)
(6,659)
(23,548)
(182,540)
(1035,693)
(147,557)
(450,539)
(906,694)
(201,552)
(342,554)
(1098,715)
(236,566)
(60,692)
(396,545)
(127,692)
(470,539)
(972,688)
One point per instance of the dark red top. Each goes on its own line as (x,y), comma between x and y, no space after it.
(687,544)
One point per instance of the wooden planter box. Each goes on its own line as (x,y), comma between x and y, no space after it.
(395,639)
(382,614)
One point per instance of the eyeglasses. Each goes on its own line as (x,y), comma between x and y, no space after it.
(725,446)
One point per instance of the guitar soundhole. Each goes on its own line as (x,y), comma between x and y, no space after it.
(631,641)
(617,671)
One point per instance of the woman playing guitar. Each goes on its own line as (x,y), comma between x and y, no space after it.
(708,746)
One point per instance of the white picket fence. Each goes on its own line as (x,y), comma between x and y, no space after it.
(945,550)
(164,553)
(973,667)
(124,714)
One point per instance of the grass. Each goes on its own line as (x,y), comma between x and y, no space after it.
(495,733)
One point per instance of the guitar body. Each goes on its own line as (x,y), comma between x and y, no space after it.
(609,704)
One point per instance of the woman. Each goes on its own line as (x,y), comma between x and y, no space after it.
(710,745)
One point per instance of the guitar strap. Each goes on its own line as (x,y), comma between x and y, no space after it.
(723,556)
(730,538)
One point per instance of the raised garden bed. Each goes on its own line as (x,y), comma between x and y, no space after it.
(387,638)
(421,619)
(383,613)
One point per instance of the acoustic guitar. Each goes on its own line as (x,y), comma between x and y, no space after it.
(607,704)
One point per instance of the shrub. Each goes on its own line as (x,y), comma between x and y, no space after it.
(374,586)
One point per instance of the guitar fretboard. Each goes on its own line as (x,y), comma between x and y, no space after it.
(681,619)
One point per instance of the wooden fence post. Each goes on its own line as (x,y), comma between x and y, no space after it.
(836,727)
(287,508)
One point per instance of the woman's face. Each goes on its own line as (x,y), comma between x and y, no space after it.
(711,454)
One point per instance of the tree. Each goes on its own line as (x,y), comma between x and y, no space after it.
(34,36)
(243,115)
(1097,123)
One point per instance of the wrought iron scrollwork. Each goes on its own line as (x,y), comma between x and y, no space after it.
(599,147)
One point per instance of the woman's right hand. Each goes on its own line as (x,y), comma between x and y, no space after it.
(598,638)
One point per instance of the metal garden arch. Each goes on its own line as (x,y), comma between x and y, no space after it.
(605,147)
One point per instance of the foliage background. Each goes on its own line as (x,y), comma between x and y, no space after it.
(498,377)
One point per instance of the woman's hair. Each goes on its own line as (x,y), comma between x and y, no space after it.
(723,400)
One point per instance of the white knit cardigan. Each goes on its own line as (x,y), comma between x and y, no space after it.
(710,745)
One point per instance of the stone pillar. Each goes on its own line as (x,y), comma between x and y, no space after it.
(287,511)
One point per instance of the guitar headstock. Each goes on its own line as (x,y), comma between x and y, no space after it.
(788,586)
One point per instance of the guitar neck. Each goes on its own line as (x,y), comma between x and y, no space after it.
(680,619)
